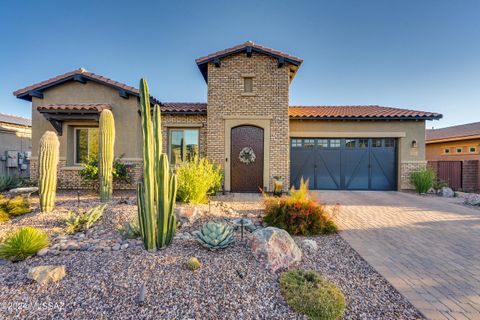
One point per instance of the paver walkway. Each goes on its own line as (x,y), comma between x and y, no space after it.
(428,248)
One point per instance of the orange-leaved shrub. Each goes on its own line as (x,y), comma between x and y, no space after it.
(300,213)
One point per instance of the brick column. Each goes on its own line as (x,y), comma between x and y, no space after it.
(470,175)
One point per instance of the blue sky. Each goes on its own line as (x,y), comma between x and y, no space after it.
(415,54)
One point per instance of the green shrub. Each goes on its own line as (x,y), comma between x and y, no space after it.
(197,179)
(15,206)
(22,243)
(130,230)
(120,172)
(299,213)
(423,180)
(84,220)
(8,182)
(308,293)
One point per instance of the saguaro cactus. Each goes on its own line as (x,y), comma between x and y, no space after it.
(106,143)
(47,180)
(156,195)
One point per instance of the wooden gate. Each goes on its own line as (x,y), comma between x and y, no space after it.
(450,172)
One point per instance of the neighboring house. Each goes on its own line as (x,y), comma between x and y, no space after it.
(15,144)
(454,153)
(247,113)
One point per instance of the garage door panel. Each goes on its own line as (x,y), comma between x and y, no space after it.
(328,169)
(303,166)
(355,164)
(383,166)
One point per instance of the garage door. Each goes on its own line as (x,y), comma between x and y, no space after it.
(344,164)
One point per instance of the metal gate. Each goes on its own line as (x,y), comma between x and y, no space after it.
(450,172)
(344,164)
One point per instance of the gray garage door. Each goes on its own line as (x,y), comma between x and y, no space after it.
(344,164)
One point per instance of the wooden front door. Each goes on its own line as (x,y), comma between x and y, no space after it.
(246,170)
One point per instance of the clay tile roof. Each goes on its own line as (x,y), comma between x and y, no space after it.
(242,47)
(358,113)
(83,74)
(184,107)
(460,132)
(8,118)
(98,107)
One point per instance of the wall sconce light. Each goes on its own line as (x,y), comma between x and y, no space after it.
(414,143)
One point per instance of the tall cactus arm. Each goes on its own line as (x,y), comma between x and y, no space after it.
(172,219)
(148,168)
(141,208)
(106,142)
(163,200)
(48,160)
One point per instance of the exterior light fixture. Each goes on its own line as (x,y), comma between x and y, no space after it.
(414,143)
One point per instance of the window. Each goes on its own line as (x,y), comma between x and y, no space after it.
(86,144)
(389,143)
(322,143)
(363,143)
(459,149)
(446,150)
(183,145)
(472,149)
(335,143)
(309,143)
(376,143)
(349,143)
(296,143)
(248,84)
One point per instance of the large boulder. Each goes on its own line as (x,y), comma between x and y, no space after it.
(473,199)
(446,192)
(46,274)
(276,248)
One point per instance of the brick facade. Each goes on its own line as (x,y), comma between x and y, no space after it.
(183,121)
(470,175)
(268,101)
(406,169)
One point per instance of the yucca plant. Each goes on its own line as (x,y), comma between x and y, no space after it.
(9,182)
(22,243)
(214,235)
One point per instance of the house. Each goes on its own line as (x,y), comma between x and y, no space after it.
(247,126)
(15,144)
(454,153)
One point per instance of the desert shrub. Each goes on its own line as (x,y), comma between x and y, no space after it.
(8,182)
(309,293)
(130,230)
(299,213)
(22,243)
(121,171)
(15,206)
(439,184)
(4,216)
(84,220)
(423,180)
(197,179)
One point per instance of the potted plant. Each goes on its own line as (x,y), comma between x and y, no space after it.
(277,185)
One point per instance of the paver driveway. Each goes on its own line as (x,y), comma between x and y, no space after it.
(428,248)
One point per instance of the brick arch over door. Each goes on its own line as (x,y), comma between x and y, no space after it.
(247,177)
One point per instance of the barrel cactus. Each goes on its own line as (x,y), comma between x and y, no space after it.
(157,193)
(214,235)
(47,179)
(193,264)
(106,142)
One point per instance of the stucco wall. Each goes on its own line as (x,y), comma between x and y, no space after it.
(435,151)
(409,159)
(14,137)
(268,104)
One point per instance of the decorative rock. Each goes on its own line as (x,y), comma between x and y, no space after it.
(186,215)
(310,244)
(446,192)
(473,199)
(276,248)
(46,274)
(4,262)
(23,191)
(116,247)
(124,246)
(42,252)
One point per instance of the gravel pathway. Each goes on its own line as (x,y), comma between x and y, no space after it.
(231,284)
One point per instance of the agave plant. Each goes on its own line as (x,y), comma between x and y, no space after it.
(9,182)
(214,235)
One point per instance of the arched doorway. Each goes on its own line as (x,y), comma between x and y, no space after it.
(246,166)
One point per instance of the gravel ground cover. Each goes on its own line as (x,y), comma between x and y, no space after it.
(104,282)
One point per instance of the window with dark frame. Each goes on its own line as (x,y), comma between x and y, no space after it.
(459,150)
(296,143)
(335,143)
(376,143)
(322,143)
(446,150)
(350,143)
(308,143)
(389,143)
(86,144)
(473,149)
(248,84)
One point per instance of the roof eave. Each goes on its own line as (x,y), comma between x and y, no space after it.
(436,117)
